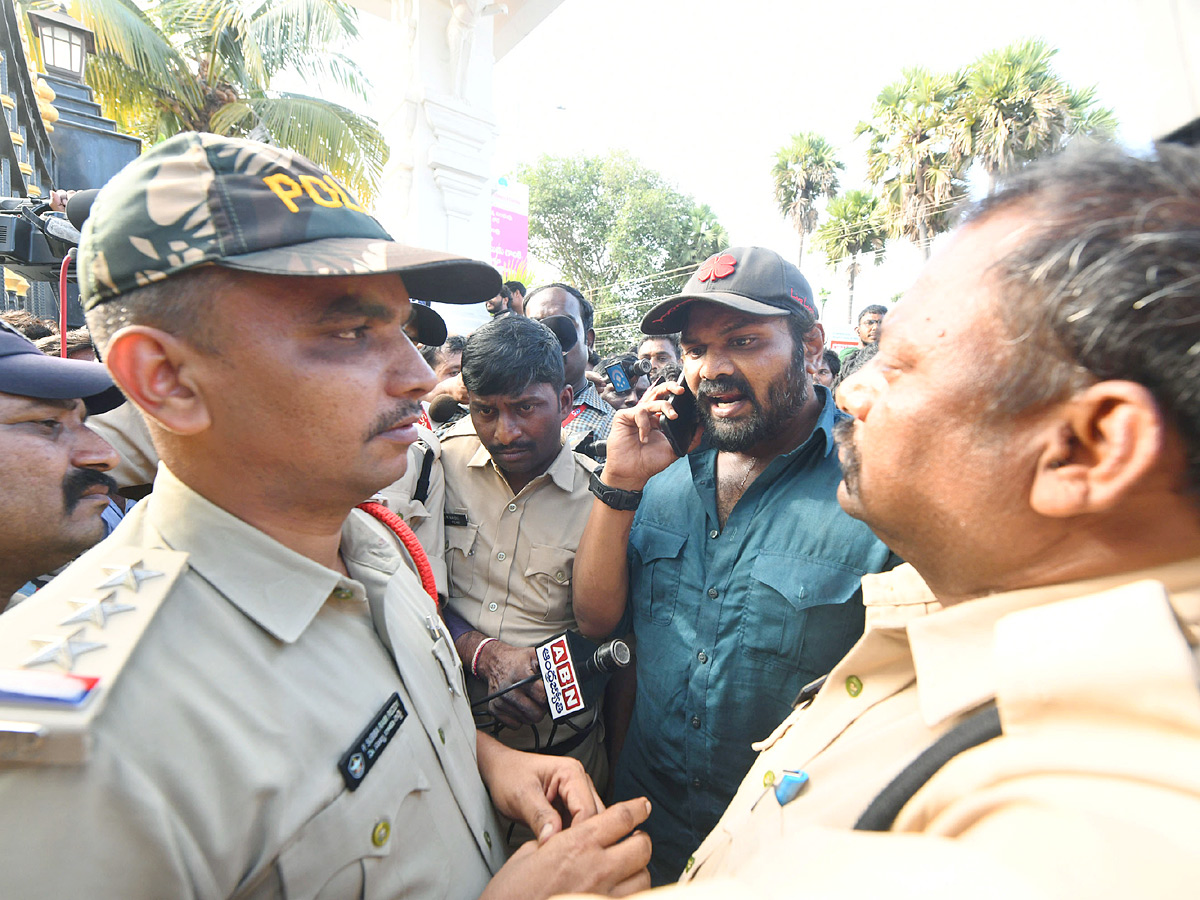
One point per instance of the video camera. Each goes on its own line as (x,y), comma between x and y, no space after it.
(34,240)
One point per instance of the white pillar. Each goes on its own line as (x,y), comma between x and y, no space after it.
(430,62)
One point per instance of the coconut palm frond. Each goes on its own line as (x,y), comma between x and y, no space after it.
(346,144)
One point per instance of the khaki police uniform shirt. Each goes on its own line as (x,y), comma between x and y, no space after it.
(510,564)
(1092,791)
(125,428)
(208,765)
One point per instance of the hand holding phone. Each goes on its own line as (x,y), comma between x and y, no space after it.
(681,431)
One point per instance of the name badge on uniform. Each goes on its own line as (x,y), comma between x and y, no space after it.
(358,760)
(456,519)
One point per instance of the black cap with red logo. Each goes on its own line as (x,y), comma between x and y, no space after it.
(752,280)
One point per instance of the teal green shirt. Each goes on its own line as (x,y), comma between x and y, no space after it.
(730,623)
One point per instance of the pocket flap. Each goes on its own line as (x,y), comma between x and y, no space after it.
(655,542)
(553,562)
(804,581)
(461,537)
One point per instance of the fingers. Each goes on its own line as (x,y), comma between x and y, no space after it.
(516,709)
(545,822)
(575,791)
(620,819)
(634,884)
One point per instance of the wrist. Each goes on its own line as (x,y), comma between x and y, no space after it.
(478,657)
(622,482)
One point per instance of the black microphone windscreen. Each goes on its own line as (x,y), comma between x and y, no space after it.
(79,206)
(564,329)
(443,408)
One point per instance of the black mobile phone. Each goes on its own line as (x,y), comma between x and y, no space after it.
(681,431)
(618,379)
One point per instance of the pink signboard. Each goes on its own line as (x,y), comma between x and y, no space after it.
(510,225)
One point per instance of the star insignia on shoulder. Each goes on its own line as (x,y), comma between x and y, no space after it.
(62,650)
(130,576)
(96,609)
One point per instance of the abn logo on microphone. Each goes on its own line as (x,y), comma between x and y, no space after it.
(558,675)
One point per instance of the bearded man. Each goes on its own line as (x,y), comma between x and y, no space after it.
(740,571)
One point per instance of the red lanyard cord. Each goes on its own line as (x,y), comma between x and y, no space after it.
(410,542)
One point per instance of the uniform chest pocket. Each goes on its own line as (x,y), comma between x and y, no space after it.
(801,614)
(347,848)
(548,576)
(656,582)
(460,553)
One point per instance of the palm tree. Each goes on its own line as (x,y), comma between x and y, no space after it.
(1016,109)
(167,66)
(705,234)
(855,225)
(804,172)
(917,153)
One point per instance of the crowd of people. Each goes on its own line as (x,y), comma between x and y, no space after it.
(921,617)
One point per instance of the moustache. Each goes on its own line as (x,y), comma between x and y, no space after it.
(724,384)
(843,435)
(510,448)
(389,420)
(77,482)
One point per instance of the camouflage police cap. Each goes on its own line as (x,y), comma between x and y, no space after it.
(200,199)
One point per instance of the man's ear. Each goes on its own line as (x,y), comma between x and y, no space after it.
(1104,442)
(590,338)
(814,343)
(155,370)
(565,399)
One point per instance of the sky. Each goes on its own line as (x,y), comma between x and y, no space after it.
(706,92)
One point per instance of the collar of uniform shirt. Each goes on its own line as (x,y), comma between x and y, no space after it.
(561,470)
(953,649)
(276,587)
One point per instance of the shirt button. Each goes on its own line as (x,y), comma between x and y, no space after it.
(702,656)
(560,576)
(470,553)
(696,782)
(493,606)
(512,507)
(712,592)
(502,556)
(695,721)
(487,839)
(442,735)
(343,594)
(853,685)
(714,534)
(381,832)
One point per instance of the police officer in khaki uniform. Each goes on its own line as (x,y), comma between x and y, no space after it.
(1024,716)
(517,501)
(243,692)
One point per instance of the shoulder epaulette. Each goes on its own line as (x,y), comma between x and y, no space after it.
(63,650)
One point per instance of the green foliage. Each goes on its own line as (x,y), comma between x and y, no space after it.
(855,224)
(916,154)
(1015,108)
(1003,110)
(619,232)
(168,66)
(805,171)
